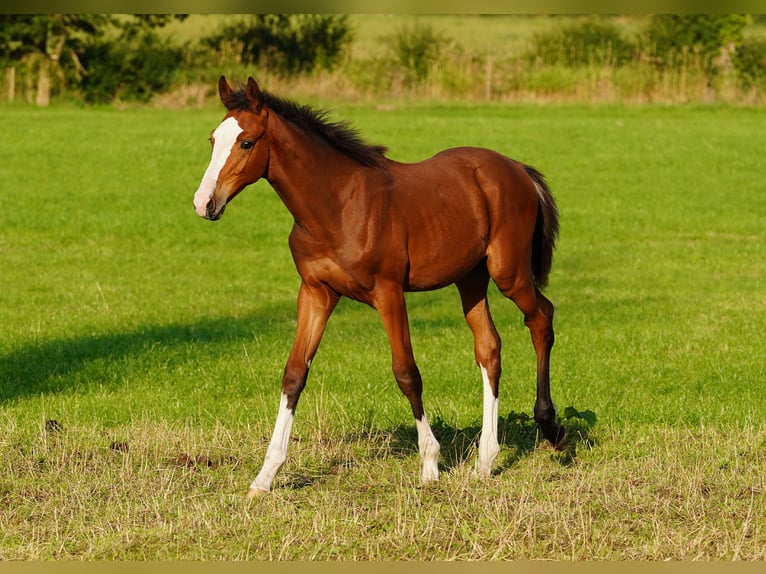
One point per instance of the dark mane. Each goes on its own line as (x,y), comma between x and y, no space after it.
(341,136)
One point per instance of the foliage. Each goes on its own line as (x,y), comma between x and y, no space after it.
(133,68)
(439,57)
(591,41)
(25,34)
(290,43)
(66,42)
(48,45)
(750,62)
(690,55)
(669,39)
(674,37)
(417,48)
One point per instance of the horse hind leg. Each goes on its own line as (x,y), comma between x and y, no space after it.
(538,317)
(540,324)
(473,295)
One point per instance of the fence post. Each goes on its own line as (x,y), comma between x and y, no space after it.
(43,97)
(10,76)
(488,79)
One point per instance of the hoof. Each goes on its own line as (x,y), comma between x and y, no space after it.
(554,434)
(429,478)
(255,493)
(483,471)
(561,442)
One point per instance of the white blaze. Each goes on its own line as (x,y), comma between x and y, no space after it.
(224,138)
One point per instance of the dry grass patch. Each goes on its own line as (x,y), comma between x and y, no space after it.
(657,493)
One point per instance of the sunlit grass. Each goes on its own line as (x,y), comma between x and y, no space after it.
(151,490)
(156,341)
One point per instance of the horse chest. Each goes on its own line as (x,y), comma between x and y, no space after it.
(347,273)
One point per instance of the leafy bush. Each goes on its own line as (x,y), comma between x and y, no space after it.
(131,69)
(673,37)
(587,42)
(417,48)
(288,42)
(750,62)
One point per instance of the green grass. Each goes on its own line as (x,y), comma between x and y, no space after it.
(156,340)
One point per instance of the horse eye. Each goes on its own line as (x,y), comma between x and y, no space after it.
(246,144)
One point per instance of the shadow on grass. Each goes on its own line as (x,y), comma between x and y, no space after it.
(57,365)
(518,433)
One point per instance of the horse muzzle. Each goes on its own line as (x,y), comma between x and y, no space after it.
(210,210)
(214,212)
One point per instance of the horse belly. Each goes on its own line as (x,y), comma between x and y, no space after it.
(444,254)
(447,231)
(437,272)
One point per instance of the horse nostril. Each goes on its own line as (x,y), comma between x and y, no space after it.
(213,212)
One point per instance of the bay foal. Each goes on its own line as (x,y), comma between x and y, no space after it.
(370,228)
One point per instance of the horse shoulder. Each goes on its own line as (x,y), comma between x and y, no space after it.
(344,267)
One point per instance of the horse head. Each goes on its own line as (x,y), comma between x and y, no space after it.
(240,153)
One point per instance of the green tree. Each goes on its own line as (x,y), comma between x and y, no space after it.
(45,41)
(134,67)
(53,44)
(417,48)
(588,41)
(290,43)
(714,37)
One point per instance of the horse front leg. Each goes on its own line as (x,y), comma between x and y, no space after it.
(392,308)
(315,304)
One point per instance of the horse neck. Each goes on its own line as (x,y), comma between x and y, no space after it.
(307,174)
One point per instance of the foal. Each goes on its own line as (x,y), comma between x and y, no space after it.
(370,228)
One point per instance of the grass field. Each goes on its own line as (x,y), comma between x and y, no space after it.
(156,340)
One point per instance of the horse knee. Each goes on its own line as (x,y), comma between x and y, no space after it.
(409,380)
(487,353)
(546,306)
(540,324)
(542,334)
(410,383)
(293,383)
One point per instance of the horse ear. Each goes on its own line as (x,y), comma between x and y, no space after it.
(224,89)
(253,93)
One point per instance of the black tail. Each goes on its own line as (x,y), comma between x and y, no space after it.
(546,229)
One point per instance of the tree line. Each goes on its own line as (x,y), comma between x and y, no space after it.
(99,58)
